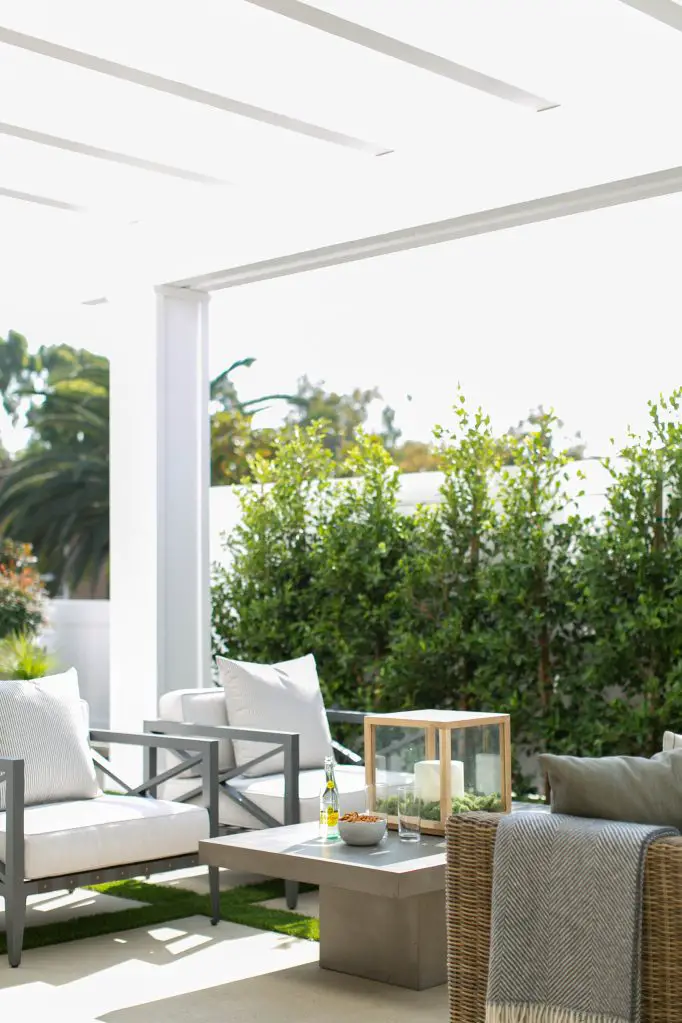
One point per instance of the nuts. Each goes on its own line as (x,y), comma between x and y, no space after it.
(360,818)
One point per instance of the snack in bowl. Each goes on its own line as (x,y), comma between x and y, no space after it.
(362,828)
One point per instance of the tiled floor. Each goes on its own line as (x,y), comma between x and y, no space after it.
(188,971)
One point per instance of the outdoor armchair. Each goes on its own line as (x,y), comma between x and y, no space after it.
(468,884)
(290,796)
(69,844)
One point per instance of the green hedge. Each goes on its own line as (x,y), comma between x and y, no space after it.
(499,598)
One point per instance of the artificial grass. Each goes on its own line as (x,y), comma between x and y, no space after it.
(161,903)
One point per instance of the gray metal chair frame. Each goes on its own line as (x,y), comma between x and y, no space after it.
(286,743)
(15,889)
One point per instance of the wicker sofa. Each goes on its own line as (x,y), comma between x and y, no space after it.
(468,887)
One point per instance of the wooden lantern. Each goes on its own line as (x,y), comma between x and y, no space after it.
(451,761)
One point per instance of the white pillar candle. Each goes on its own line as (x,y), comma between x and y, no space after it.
(427,780)
(488,773)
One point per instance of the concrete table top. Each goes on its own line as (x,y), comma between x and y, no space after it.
(393,869)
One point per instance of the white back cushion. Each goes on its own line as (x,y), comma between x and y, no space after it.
(41,721)
(196,707)
(671,741)
(282,697)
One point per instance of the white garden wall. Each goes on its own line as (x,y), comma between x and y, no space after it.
(416,488)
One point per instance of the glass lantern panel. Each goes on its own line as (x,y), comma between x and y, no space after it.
(398,749)
(476,769)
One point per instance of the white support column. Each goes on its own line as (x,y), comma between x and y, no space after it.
(160,461)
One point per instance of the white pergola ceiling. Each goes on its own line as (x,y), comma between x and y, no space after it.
(183,139)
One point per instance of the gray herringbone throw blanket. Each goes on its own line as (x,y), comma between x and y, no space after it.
(567,919)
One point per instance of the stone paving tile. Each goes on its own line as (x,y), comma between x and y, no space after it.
(188,971)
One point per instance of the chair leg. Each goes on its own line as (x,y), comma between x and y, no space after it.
(291,893)
(214,888)
(15,919)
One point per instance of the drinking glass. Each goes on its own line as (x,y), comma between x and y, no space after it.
(409,814)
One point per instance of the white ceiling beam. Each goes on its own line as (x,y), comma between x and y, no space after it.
(405,52)
(111,155)
(565,204)
(183,90)
(666,11)
(41,200)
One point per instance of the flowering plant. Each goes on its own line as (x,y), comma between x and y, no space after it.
(22,594)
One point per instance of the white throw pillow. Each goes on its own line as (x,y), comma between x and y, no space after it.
(284,697)
(41,721)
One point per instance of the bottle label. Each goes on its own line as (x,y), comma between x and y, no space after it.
(332,818)
(330,784)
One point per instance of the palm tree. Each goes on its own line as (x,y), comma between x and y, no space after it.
(55,494)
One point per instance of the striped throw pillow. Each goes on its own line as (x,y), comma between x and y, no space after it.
(41,721)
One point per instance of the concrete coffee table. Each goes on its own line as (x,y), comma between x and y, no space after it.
(382,907)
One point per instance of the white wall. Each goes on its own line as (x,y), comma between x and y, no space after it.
(415,488)
(78,636)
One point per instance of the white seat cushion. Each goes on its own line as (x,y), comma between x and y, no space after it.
(196,707)
(89,834)
(268,793)
(283,697)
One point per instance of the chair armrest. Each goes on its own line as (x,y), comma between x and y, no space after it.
(162,741)
(288,741)
(12,771)
(206,749)
(176,728)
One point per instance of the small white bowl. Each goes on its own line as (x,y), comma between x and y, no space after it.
(362,832)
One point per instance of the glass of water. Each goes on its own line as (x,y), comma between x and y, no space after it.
(409,814)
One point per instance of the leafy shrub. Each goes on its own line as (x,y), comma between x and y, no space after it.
(314,562)
(22,595)
(630,578)
(22,658)
(500,598)
(440,610)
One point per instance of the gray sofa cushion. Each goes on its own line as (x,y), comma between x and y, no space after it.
(617,788)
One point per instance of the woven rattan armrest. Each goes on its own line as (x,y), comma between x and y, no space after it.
(468,892)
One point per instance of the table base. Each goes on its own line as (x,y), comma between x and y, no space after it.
(391,940)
